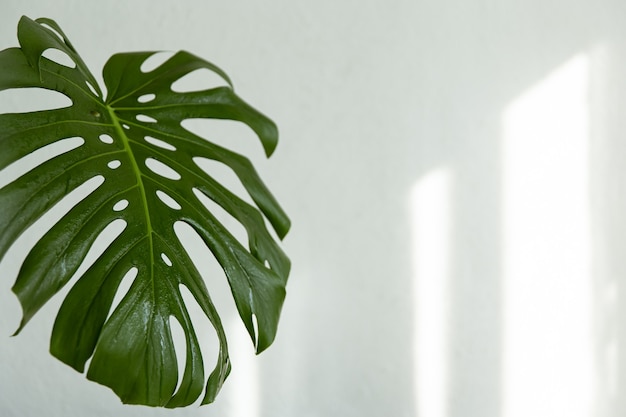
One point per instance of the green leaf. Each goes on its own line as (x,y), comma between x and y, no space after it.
(131,347)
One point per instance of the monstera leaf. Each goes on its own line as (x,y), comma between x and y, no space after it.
(136,128)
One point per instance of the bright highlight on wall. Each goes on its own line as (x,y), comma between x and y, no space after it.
(244,389)
(548,344)
(431,215)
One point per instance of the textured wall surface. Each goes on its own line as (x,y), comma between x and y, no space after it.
(454,174)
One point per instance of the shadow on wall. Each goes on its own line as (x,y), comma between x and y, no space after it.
(516,236)
(508,161)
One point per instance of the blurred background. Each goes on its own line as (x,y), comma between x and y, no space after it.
(453,172)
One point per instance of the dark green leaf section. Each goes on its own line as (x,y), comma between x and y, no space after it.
(131,346)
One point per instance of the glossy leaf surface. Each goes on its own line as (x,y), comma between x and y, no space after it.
(145,161)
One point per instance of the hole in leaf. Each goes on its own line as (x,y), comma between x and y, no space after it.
(60,57)
(208,267)
(225,218)
(22,246)
(180,347)
(159,143)
(209,343)
(198,80)
(146,98)
(106,139)
(53,30)
(167,200)
(25,100)
(267,264)
(26,163)
(225,176)
(145,119)
(218,289)
(161,169)
(120,205)
(155,60)
(167,260)
(92,88)
(255,326)
(123,289)
(108,235)
(102,241)
(232,135)
(114,164)
(125,126)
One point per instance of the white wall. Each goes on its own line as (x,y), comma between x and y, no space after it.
(453,171)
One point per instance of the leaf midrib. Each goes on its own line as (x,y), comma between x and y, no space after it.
(142,190)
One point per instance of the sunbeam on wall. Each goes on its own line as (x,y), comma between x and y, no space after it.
(430,212)
(547,300)
(244,387)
